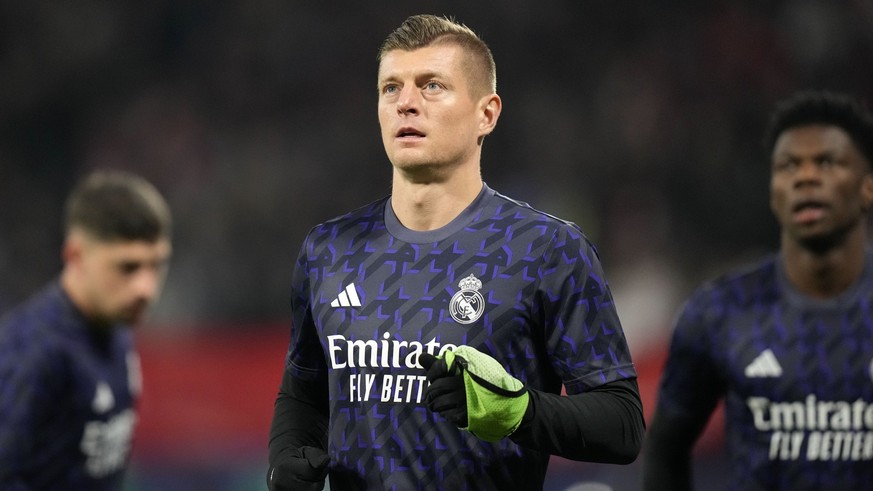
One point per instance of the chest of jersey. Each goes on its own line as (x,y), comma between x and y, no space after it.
(105,385)
(787,354)
(801,383)
(399,299)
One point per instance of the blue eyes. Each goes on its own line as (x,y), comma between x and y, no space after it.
(429,87)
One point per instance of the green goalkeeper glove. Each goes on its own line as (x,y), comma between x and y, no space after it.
(472,390)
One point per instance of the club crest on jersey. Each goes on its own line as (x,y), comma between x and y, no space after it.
(467,304)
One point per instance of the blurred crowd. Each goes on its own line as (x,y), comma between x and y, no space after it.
(640,121)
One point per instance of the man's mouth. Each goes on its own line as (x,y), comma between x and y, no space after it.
(409,133)
(808,211)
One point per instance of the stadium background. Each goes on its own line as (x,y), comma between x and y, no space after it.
(640,121)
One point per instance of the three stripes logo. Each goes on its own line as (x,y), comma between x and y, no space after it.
(764,365)
(347,298)
(103,398)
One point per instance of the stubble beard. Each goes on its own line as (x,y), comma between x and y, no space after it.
(822,243)
(424,171)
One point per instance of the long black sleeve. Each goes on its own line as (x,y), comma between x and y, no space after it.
(604,424)
(300,416)
(667,452)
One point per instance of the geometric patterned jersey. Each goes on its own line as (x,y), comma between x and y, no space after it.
(369,295)
(67,397)
(796,375)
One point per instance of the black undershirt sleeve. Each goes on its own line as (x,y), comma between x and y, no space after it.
(300,416)
(604,424)
(667,451)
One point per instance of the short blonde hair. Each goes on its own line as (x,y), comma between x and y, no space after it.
(419,31)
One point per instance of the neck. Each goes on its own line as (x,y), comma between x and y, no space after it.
(68,284)
(825,273)
(431,204)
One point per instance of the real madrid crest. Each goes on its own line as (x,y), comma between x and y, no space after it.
(467,304)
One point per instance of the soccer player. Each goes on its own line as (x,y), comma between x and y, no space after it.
(787,342)
(69,374)
(449,271)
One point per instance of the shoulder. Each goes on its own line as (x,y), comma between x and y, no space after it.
(868,267)
(34,314)
(348,228)
(506,205)
(561,243)
(741,287)
(358,219)
(35,330)
(546,223)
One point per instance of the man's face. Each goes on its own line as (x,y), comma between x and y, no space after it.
(429,115)
(820,185)
(117,281)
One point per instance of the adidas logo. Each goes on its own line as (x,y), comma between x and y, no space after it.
(103,398)
(347,298)
(765,365)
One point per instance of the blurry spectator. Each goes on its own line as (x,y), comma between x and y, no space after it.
(787,341)
(69,373)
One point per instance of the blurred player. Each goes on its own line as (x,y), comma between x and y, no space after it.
(69,374)
(484,290)
(787,342)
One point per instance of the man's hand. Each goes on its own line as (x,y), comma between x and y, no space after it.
(301,469)
(473,391)
(446,393)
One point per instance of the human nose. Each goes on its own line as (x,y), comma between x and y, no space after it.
(807,171)
(147,282)
(407,102)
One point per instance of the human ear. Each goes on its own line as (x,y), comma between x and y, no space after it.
(490,112)
(867,192)
(73,248)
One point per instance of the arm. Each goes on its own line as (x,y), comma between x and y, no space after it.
(17,405)
(601,420)
(689,391)
(667,452)
(31,379)
(299,416)
(298,435)
(604,424)
(472,390)
(15,433)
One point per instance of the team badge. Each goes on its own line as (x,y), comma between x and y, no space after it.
(467,304)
